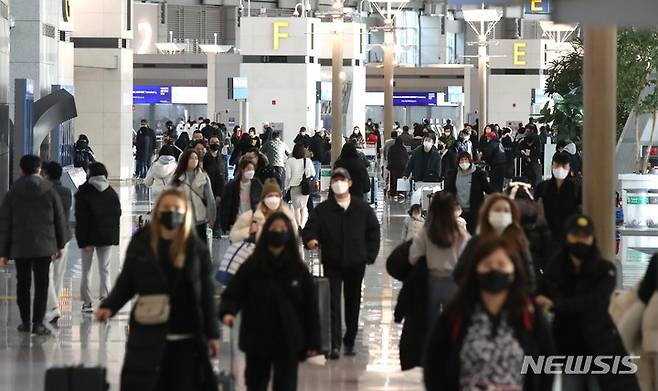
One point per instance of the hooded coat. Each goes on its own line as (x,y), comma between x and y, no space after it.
(33,223)
(424,166)
(97,213)
(160,175)
(397,156)
(349,159)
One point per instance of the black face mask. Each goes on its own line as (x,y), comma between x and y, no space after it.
(581,251)
(214,147)
(172,220)
(494,281)
(277,239)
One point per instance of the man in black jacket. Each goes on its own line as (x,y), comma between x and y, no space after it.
(52,172)
(97,214)
(425,162)
(214,163)
(347,230)
(145,148)
(493,154)
(33,230)
(349,160)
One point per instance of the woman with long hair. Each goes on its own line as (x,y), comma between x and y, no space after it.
(237,146)
(280,323)
(168,268)
(193,181)
(251,222)
(241,195)
(441,242)
(489,328)
(500,218)
(297,167)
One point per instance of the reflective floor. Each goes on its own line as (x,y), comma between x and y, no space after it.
(78,339)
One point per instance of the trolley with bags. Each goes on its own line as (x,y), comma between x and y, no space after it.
(322,294)
(233,258)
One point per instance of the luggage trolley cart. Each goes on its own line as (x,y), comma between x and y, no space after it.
(370,151)
(422,193)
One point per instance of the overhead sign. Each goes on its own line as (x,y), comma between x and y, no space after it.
(415,99)
(149,95)
(520,53)
(189,95)
(537,7)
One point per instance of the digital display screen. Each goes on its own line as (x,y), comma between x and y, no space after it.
(240,88)
(414,99)
(149,95)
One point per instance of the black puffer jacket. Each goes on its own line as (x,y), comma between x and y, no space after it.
(278,304)
(493,153)
(97,216)
(349,160)
(217,171)
(318,146)
(231,201)
(582,324)
(538,233)
(397,156)
(424,166)
(32,221)
(143,275)
(349,238)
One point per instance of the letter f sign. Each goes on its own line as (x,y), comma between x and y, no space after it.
(277,34)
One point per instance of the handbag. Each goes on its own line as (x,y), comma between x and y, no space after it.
(152,310)
(308,185)
(233,258)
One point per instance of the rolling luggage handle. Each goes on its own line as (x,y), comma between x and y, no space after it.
(312,265)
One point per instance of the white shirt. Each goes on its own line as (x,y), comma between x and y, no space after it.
(295,171)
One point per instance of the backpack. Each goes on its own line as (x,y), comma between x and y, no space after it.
(82,157)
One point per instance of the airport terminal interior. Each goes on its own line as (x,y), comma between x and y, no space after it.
(348,195)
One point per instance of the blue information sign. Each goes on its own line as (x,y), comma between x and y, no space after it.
(147,95)
(414,99)
(541,7)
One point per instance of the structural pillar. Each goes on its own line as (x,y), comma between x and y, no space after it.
(599,138)
(388,84)
(482,79)
(337,90)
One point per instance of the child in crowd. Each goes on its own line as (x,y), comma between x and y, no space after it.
(413,223)
(460,220)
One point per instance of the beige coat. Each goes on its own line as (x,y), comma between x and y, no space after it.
(638,327)
(240,230)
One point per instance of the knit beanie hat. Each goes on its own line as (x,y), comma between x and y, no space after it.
(270,186)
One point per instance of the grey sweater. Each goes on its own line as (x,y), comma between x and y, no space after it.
(463,184)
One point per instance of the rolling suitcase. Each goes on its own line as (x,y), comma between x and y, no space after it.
(372,194)
(323,295)
(79,378)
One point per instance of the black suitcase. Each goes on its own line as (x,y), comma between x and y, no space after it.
(323,295)
(77,379)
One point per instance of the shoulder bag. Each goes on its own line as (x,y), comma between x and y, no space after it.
(152,310)
(308,185)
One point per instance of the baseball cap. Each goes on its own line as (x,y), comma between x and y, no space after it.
(341,172)
(580,224)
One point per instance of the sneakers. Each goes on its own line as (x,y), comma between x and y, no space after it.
(24,328)
(53,316)
(87,308)
(39,329)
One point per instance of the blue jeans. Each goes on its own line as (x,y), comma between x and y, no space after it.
(143,167)
(318,167)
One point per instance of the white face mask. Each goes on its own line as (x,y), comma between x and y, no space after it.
(249,174)
(465,166)
(272,202)
(560,173)
(500,220)
(340,187)
(427,145)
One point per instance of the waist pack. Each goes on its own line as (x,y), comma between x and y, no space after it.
(152,309)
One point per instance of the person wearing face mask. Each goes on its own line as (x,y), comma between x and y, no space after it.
(577,288)
(576,163)
(97,217)
(559,197)
(397,159)
(448,135)
(297,168)
(413,223)
(251,222)
(508,144)
(168,268)
(481,339)
(193,181)
(241,195)
(347,231)
(448,156)
(500,218)
(215,165)
(529,150)
(303,137)
(468,184)
(425,162)
(357,138)
(280,318)
(440,242)
(319,151)
(493,154)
